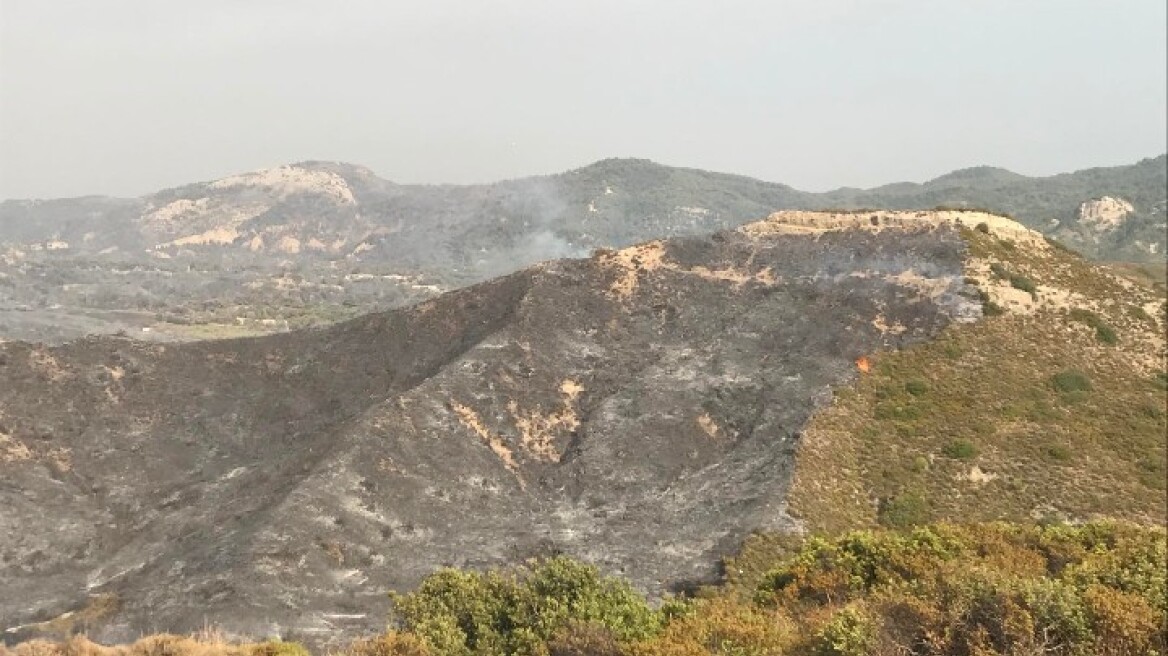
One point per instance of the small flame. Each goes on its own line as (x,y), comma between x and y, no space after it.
(863,364)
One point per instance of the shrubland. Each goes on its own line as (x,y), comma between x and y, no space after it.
(942,589)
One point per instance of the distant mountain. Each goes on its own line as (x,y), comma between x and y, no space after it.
(644,409)
(1058,206)
(306,242)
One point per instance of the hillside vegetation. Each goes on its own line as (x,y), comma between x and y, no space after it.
(942,589)
(1053,406)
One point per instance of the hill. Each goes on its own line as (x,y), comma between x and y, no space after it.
(1065,207)
(645,409)
(316,242)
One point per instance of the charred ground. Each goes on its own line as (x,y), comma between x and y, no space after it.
(641,409)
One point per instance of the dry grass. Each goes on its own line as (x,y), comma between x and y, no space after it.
(212,331)
(1040,452)
(154,645)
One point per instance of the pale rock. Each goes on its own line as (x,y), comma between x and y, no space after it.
(1105,213)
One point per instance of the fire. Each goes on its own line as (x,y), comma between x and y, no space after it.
(863,364)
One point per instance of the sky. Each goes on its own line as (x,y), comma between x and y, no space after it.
(126,97)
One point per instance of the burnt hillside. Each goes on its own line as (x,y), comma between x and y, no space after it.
(640,409)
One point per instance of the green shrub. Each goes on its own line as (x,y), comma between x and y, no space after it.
(1019,281)
(983,228)
(1071,380)
(904,510)
(1103,332)
(1058,452)
(960,450)
(1083,316)
(850,632)
(988,307)
(1106,334)
(1139,314)
(279,648)
(916,387)
(981,589)
(518,610)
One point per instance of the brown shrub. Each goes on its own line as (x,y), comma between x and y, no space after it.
(392,643)
(80,645)
(38,648)
(584,639)
(722,626)
(1124,623)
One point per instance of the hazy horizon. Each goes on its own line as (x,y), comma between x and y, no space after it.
(124,98)
(571,168)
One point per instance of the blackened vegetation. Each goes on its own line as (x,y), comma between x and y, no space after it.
(283,484)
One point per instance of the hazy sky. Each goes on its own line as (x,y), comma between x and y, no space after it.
(126,97)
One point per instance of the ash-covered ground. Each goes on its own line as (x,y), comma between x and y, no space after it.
(640,410)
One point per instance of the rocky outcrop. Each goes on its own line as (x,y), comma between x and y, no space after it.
(1105,213)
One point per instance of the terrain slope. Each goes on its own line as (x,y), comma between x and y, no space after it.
(314,242)
(644,409)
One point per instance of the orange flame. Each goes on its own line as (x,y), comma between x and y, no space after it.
(863,364)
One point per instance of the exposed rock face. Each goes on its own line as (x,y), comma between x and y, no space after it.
(1104,214)
(640,409)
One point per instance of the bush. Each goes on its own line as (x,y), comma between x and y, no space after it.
(979,589)
(1106,334)
(904,510)
(960,450)
(1016,280)
(392,643)
(515,611)
(1124,623)
(988,307)
(723,627)
(583,639)
(983,228)
(916,387)
(1019,281)
(850,632)
(279,648)
(1139,314)
(1071,380)
(1103,332)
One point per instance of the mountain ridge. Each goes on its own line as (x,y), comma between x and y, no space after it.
(312,242)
